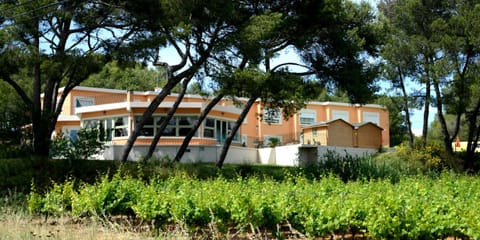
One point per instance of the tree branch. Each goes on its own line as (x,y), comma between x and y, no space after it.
(17,88)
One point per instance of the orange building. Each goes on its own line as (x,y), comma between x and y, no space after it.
(115,112)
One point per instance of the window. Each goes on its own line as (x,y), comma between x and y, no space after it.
(185,125)
(148,127)
(83,101)
(314,132)
(177,126)
(340,114)
(308,116)
(373,117)
(108,127)
(209,128)
(272,116)
(219,129)
(121,126)
(170,129)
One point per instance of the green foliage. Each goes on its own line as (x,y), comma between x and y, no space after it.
(350,168)
(273,142)
(413,208)
(85,146)
(135,78)
(420,159)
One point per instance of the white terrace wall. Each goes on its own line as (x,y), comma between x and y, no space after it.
(208,153)
(289,155)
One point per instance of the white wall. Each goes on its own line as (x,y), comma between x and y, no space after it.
(289,155)
(208,153)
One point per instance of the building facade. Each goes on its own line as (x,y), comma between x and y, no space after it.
(115,113)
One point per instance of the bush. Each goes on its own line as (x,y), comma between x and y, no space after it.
(350,168)
(416,160)
(85,146)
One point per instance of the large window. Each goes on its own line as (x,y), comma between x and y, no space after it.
(373,117)
(219,129)
(340,114)
(308,116)
(108,127)
(272,115)
(177,126)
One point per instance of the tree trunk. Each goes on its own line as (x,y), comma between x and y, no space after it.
(41,142)
(406,109)
(148,113)
(426,113)
(236,127)
(441,118)
(197,125)
(165,121)
(473,134)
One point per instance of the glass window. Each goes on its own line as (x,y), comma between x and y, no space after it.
(84,101)
(340,114)
(272,116)
(373,117)
(308,116)
(121,127)
(209,128)
(148,127)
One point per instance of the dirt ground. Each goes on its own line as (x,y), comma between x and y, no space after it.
(26,227)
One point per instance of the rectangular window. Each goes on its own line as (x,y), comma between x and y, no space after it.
(272,116)
(308,116)
(373,117)
(219,129)
(340,114)
(108,127)
(314,132)
(121,126)
(148,127)
(177,126)
(83,101)
(209,128)
(170,130)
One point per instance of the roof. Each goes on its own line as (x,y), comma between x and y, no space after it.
(156,91)
(361,124)
(323,124)
(129,105)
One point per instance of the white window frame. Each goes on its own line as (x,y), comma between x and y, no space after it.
(373,117)
(89,101)
(112,119)
(176,127)
(340,114)
(307,114)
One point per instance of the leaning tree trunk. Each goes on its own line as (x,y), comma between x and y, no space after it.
(191,133)
(406,110)
(148,113)
(235,129)
(447,141)
(165,121)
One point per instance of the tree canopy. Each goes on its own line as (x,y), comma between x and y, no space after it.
(436,44)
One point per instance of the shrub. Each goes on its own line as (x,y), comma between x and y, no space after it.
(84,146)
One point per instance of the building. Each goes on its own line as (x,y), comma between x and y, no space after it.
(115,113)
(340,133)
